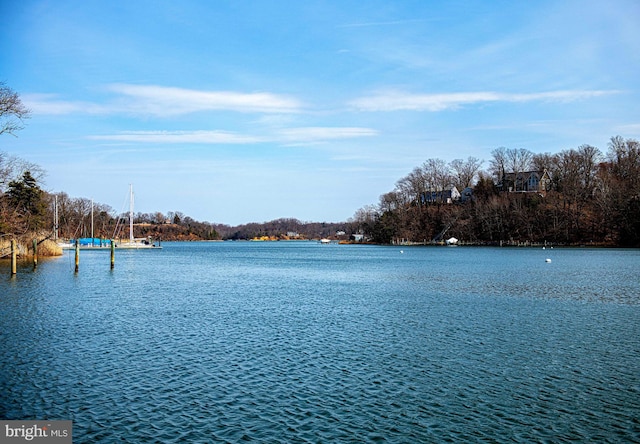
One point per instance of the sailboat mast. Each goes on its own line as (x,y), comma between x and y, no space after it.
(55,225)
(130,213)
(92,222)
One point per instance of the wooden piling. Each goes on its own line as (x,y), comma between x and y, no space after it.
(14,257)
(113,254)
(77,255)
(35,253)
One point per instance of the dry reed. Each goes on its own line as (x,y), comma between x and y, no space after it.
(46,248)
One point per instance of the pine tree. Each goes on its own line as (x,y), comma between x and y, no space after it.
(27,200)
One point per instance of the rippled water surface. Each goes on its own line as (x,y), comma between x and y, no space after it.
(302,342)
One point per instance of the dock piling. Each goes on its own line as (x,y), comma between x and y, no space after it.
(113,254)
(14,257)
(35,253)
(77,255)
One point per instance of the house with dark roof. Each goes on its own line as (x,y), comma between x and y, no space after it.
(526,182)
(448,196)
(466,195)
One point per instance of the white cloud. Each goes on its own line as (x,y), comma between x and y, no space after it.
(170,101)
(397,101)
(291,136)
(320,134)
(208,137)
(50,104)
(161,101)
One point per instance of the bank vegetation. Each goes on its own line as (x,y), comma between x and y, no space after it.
(28,212)
(579,196)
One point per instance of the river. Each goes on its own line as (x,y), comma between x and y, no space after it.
(303,342)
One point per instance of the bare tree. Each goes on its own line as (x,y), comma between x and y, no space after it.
(437,174)
(577,171)
(542,161)
(625,158)
(364,218)
(590,157)
(13,168)
(12,111)
(404,190)
(465,172)
(391,201)
(498,164)
(518,161)
(548,162)
(624,190)
(159,218)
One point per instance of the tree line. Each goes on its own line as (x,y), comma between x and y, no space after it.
(588,197)
(591,198)
(27,210)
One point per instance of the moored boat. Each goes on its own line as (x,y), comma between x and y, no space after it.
(92,243)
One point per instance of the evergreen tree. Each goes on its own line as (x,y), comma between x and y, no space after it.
(27,200)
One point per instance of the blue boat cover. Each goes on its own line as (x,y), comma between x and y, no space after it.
(94,242)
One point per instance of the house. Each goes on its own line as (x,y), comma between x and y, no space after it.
(526,182)
(445,196)
(466,194)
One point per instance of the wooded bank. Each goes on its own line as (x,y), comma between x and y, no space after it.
(578,196)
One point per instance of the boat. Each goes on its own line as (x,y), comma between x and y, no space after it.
(93,243)
(325,241)
(135,243)
(65,245)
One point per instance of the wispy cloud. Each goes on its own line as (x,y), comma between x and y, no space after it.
(397,101)
(288,136)
(169,101)
(163,101)
(206,137)
(51,104)
(631,128)
(322,134)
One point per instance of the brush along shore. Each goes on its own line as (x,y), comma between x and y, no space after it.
(24,246)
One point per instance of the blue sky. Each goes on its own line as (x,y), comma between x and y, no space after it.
(235,112)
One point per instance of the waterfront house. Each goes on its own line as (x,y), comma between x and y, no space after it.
(526,182)
(448,196)
(466,194)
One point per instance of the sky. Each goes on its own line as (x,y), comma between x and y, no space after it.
(248,111)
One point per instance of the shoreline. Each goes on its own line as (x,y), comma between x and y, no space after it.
(46,247)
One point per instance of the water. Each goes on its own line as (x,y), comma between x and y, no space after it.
(302,342)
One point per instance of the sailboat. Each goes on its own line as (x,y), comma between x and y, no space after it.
(133,243)
(84,243)
(94,243)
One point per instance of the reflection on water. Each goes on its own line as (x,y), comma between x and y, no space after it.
(297,342)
